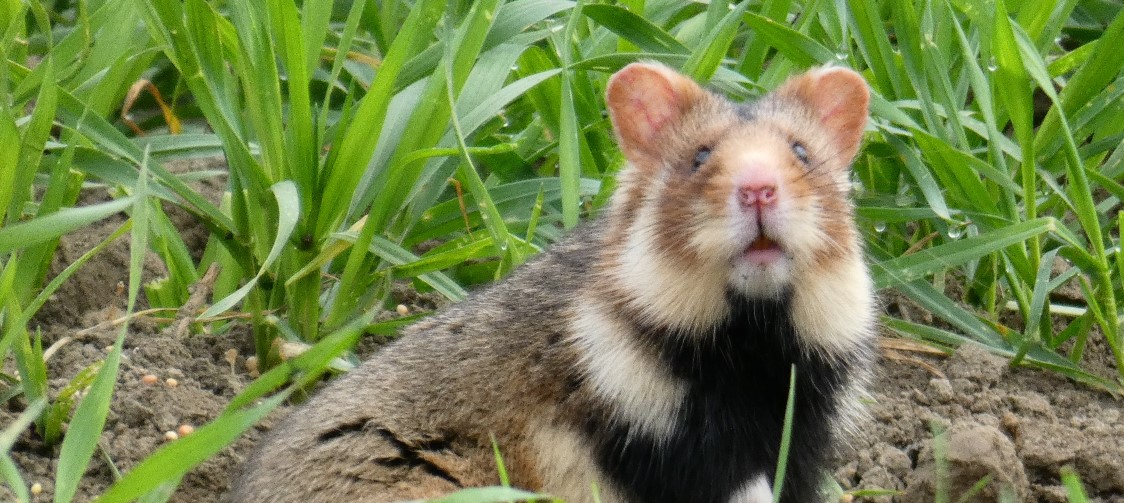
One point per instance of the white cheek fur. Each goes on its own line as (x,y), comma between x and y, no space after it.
(833,307)
(678,296)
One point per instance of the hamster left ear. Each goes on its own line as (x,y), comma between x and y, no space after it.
(840,100)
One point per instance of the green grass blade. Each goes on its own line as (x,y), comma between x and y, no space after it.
(56,224)
(635,29)
(175,459)
(786,436)
(906,269)
(358,143)
(797,47)
(288,214)
(490,495)
(706,58)
(85,428)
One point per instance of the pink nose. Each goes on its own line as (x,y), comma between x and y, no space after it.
(757,194)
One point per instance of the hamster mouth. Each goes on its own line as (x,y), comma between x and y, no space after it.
(763,251)
(763,243)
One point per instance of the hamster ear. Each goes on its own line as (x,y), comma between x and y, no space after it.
(839,99)
(646,100)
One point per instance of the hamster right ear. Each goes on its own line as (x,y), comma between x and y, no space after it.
(645,100)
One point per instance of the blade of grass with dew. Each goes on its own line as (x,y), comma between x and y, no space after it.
(494,221)
(1011,76)
(1087,215)
(922,177)
(908,30)
(905,269)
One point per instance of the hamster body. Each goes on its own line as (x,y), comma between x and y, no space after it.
(649,353)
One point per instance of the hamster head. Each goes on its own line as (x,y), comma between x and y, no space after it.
(753,195)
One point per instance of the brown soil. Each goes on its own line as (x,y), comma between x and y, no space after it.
(1019,426)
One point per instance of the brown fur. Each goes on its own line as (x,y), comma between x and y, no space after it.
(416,421)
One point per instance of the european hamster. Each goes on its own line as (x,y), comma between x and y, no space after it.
(649,353)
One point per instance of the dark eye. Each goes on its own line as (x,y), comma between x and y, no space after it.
(800,152)
(700,158)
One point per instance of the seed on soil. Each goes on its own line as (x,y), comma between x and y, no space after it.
(149,379)
(846,498)
(171,435)
(402,310)
(185,430)
(36,488)
(252,366)
(171,382)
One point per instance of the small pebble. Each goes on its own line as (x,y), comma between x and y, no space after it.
(171,382)
(36,488)
(402,310)
(149,379)
(185,430)
(171,435)
(942,389)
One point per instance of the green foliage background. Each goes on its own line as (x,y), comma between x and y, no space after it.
(446,142)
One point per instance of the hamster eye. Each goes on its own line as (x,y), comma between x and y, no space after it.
(800,152)
(701,157)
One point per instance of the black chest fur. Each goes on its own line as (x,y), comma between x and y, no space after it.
(730,424)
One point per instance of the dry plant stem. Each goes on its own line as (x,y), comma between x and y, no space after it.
(200,291)
(893,344)
(896,356)
(85,332)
